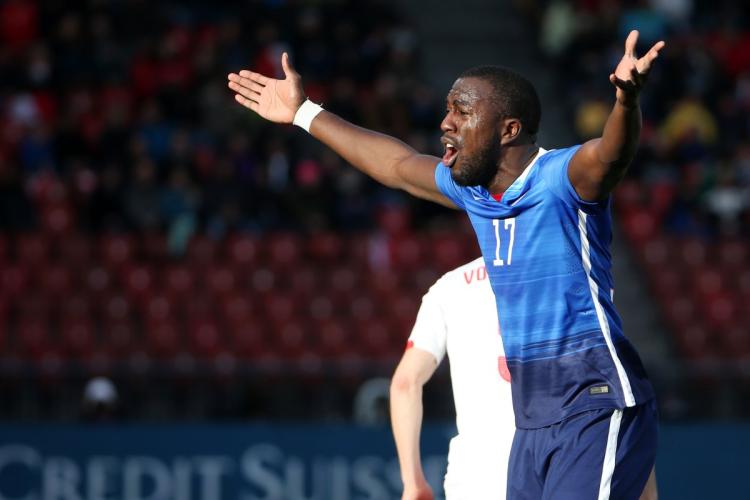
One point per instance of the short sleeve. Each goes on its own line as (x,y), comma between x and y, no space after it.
(555,172)
(430,331)
(448,186)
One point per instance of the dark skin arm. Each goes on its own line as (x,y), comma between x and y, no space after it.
(601,163)
(384,158)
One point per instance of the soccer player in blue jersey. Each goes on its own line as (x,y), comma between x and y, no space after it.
(585,413)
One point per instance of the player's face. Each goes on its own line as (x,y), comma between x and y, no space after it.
(472,146)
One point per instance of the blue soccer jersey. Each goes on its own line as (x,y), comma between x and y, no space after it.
(547,255)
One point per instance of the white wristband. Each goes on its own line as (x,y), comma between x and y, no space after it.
(305,114)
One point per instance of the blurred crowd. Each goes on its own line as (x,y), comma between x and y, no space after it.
(693,166)
(116,116)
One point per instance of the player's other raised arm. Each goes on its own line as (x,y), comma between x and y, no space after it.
(599,164)
(386,159)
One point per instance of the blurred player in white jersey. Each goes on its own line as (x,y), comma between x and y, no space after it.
(458,317)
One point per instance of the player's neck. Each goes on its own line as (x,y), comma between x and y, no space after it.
(513,161)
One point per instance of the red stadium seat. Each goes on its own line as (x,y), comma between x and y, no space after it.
(77,338)
(75,251)
(32,250)
(179,281)
(244,251)
(279,307)
(116,307)
(695,342)
(720,312)
(406,253)
(249,339)
(656,254)
(57,280)
(119,338)
(117,250)
(707,282)
(394,220)
(362,307)
(692,253)
(385,283)
(158,308)
(639,225)
(680,311)
(14,281)
(97,280)
(334,339)
(205,339)
(736,342)
(76,307)
(219,280)
(291,339)
(320,308)
(138,281)
(284,250)
(732,255)
(199,308)
(376,339)
(34,306)
(33,339)
(164,340)
(450,252)
(343,280)
(305,279)
(202,251)
(236,309)
(325,247)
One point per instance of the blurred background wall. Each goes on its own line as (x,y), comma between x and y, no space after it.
(166,256)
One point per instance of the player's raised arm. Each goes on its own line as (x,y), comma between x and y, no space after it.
(414,370)
(599,164)
(384,158)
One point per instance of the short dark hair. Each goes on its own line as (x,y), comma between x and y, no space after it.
(515,96)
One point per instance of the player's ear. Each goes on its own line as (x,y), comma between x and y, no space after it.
(510,130)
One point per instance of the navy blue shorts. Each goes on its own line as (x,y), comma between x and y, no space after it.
(594,455)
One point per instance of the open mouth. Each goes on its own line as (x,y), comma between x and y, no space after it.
(451,152)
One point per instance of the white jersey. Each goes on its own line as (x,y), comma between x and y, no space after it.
(458,316)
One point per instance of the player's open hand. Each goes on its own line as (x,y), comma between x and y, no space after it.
(274,100)
(631,72)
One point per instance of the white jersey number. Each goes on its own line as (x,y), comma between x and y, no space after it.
(510,227)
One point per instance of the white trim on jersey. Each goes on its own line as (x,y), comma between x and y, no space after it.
(610,456)
(603,323)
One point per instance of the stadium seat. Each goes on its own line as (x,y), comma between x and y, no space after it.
(291,339)
(376,339)
(205,339)
(14,280)
(406,253)
(244,251)
(305,279)
(117,250)
(77,338)
(119,338)
(202,251)
(97,280)
(639,225)
(75,251)
(249,340)
(236,309)
(32,250)
(178,281)
(33,340)
(138,280)
(325,247)
(284,250)
(74,307)
(158,308)
(115,307)
(164,340)
(56,280)
(219,280)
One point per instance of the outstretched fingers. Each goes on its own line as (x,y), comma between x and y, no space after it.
(630,42)
(248,103)
(644,63)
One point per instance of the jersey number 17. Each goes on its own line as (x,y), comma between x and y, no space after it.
(509,226)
